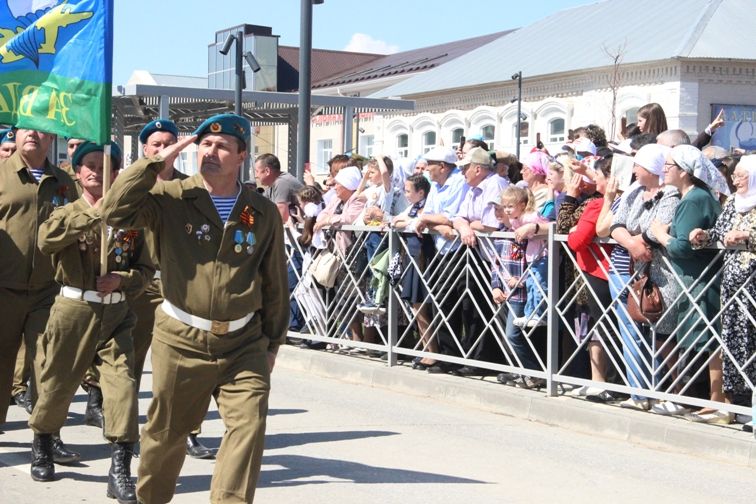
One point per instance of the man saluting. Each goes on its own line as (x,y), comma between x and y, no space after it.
(220,247)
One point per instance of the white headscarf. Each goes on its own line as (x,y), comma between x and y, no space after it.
(692,161)
(745,203)
(350,177)
(652,157)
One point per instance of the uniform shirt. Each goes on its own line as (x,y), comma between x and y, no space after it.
(72,237)
(24,204)
(445,200)
(201,270)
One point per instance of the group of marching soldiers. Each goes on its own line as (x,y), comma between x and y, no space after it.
(173,280)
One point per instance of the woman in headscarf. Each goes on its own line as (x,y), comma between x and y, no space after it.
(736,225)
(694,177)
(535,167)
(647,200)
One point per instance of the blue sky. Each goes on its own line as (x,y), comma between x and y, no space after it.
(171,36)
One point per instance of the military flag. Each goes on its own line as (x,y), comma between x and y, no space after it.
(56,66)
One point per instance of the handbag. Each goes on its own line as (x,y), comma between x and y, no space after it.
(324,268)
(644,301)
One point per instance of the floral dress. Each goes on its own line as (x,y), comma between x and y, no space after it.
(738,332)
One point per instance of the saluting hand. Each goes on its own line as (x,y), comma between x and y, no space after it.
(172,151)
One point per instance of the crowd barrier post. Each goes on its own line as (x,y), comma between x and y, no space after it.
(393,304)
(552,321)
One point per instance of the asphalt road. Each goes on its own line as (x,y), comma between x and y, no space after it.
(332,442)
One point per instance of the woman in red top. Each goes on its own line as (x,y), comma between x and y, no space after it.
(593,260)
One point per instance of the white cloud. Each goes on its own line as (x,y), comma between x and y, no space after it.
(362,42)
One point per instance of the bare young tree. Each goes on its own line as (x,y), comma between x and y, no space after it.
(614,80)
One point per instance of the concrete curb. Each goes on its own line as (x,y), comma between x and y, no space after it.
(667,433)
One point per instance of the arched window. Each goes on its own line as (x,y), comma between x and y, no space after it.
(524,132)
(457,135)
(402,145)
(556,130)
(488,133)
(429,141)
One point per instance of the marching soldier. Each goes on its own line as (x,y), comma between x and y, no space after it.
(22,373)
(30,187)
(90,321)
(220,248)
(156,136)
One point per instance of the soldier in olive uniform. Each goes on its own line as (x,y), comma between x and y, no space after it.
(225,312)
(90,321)
(156,136)
(22,372)
(30,187)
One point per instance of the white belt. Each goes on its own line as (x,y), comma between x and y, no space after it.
(92,296)
(214,326)
(157,275)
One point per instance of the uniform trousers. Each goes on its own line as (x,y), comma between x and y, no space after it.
(188,365)
(24,315)
(79,333)
(22,371)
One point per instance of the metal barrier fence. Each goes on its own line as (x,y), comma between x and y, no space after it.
(456,322)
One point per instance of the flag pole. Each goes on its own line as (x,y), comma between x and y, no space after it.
(103,225)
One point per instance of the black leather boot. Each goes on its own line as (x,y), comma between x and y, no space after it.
(29,399)
(120,485)
(93,415)
(42,467)
(197,450)
(61,454)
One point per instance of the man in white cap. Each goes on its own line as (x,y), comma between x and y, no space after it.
(441,205)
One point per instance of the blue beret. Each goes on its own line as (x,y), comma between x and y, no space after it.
(226,124)
(158,125)
(7,136)
(87,147)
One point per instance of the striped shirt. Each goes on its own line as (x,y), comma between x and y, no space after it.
(37,173)
(224,205)
(620,257)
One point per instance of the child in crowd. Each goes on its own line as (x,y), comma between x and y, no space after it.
(520,216)
(555,181)
(419,253)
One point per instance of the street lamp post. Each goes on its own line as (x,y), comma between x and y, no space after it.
(518,78)
(237,39)
(305,83)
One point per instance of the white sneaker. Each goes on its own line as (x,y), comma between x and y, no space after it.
(536,322)
(520,321)
(636,404)
(668,408)
(584,390)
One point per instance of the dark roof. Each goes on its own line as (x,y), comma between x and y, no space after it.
(325,64)
(415,60)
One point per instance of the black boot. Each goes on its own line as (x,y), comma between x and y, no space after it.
(42,467)
(197,450)
(120,486)
(61,454)
(93,415)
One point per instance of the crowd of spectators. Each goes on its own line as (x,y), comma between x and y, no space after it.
(682,195)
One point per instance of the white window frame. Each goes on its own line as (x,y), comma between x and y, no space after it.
(324,151)
(402,151)
(426,146)
(559,137)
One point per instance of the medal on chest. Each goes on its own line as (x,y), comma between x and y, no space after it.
(244,239)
